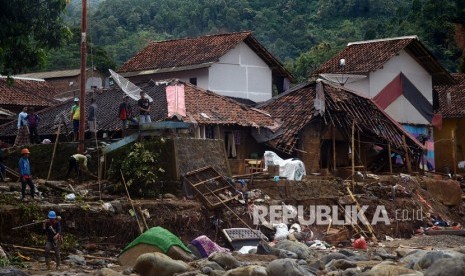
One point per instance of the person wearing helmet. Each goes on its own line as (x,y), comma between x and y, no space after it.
(25,173)
(78,162)
(75,116)
(52,228)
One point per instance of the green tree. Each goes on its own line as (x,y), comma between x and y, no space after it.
(28,28)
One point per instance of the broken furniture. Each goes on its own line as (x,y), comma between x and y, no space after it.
(212,188)
(239,237)
(253,165)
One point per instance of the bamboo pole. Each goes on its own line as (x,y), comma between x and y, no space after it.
(353,155)
(143,218)
(407,155)
(132,204)
(454,154)
(54,150)
(334,149)
(390,158)
(359,150)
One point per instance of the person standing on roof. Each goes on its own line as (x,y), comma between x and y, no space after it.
(125,114)
(78,162)
(75,116)
(144,109)
(52,228)
(22,138)
(91,117)
(25,174)
(33,122)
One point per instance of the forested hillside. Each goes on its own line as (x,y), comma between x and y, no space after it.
(301,33)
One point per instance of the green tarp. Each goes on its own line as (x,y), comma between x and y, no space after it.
(159,237)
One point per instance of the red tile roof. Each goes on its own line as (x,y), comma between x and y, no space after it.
(455,106)
(201,51)
(26,93)
(295,108)
(220,110)
(367,56)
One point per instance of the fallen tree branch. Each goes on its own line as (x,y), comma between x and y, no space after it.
(56,187)
(42,250)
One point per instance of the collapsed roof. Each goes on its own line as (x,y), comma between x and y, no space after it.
(333,105)
(202,107)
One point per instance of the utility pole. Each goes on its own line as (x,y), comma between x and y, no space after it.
(82,108)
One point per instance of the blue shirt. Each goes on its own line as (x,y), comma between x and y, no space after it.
(24,167)
(22,119)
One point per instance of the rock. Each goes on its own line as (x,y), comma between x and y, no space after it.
(127,271)
(340,264)
(413,256)
(191,273)
(402,252)
(302,250)
(347,252)
(428,259)
(384,269)
(446,267)
(108,272)
(283,254)
(159,264)
(251,270)
(76,259)
(225,260)
(332,256)
(12,272)
(286,267)
(210,264)
(384,255)
(169,196)
(206,270)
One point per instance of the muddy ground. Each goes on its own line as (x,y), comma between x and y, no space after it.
(93,230)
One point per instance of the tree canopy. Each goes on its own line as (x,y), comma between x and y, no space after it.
(28,28)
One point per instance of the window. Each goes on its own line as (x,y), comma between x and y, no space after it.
(193,81)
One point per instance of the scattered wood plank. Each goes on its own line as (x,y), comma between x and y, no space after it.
(42,250)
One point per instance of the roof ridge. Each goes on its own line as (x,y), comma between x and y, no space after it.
(201,36)
(383,39)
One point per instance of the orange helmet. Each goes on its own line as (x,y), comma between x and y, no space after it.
(24,151)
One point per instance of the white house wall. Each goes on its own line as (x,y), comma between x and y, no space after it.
(362,87)
(402,111)
(241,73)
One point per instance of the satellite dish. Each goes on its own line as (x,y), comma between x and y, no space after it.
(128,87)
(342,78)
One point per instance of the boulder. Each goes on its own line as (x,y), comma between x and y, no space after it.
(213,265)
(159,264)
(302,250)
(413,256)
(332,256)
(428,259)
(286,267)
(384,269)
(384,255)
(77,259)
(340,264)
(251,270)
(108,272)
(12,272)
(225,260)
(446,267)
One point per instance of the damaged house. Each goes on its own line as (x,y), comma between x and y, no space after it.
(399,75)
(325,124)
(450,138)
(210,116)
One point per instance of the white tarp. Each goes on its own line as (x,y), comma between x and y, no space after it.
(291,169)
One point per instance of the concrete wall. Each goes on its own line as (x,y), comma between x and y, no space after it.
(241,73)
(401,109)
